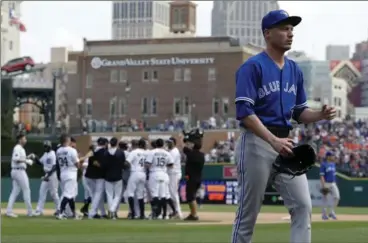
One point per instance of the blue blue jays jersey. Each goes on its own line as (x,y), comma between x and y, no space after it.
(275,95)
(328,171)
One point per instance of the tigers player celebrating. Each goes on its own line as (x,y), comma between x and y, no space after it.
(174,179)
(137,179)
(50,181)
(68,162)
(19,162)
(157,161)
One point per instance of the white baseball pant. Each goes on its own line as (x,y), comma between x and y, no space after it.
(50,186)
(113,194)
(20,182)
(174,180)
(158,182)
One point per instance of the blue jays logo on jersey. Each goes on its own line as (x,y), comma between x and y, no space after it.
(48,161)
(273,87)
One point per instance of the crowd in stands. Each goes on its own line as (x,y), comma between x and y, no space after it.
(348,140)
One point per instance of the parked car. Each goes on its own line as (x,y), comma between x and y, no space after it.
(17,64)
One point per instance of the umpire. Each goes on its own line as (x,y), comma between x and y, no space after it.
(193,168)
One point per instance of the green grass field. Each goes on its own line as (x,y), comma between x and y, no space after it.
(49,230)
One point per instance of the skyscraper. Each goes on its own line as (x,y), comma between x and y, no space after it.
(241,19)
(140,19)
(10,31)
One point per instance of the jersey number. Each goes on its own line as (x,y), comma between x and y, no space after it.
(141,161)
(160,162)
(62,162)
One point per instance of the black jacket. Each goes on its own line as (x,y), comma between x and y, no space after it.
(194,164)
(113,165)
(94,171)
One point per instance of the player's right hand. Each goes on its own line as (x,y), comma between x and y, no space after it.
(283,146)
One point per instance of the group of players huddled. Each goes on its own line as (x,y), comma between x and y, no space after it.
(110,170)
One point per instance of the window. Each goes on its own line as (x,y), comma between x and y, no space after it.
(225,106)
(176,17)
(122,107)
(140,10)
(339,113)
(89,81)
(145,76)
(154,75)
(187,74)
(149,9)
(113,76)
(215,106)
(79,107)
(10,45)
(132,10)
(178,74)
(113,107)
(177,108)
(153,106)
(116,11)
(186,106)
(144,106)
(88,107)
(124,10)
(211,74)
(123,76)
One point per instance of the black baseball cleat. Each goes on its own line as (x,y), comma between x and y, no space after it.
(97,216)
(191,217)
(105,216)
(173,215)
(57,212)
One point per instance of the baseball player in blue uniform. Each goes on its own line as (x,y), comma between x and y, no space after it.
(269,92)
(328,180)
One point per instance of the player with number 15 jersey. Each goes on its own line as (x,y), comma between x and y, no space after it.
(158,160)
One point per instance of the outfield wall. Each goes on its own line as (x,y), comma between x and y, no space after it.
(220,182)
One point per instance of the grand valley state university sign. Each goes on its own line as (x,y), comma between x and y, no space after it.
(98,62)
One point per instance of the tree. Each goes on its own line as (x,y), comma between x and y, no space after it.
(7,107)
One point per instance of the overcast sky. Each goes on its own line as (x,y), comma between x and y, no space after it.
(63,23)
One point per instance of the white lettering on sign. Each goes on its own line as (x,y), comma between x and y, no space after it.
(98,62)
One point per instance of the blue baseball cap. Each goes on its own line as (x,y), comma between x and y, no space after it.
(329,153)
(277,17)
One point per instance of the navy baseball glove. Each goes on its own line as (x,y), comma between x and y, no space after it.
(302,161)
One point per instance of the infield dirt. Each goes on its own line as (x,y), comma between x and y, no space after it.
(226,218)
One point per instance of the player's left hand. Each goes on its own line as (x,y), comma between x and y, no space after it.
(44,178)
(328,112)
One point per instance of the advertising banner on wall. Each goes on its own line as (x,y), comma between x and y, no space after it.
(314,190)
(226,192)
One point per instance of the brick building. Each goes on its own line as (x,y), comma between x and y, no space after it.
(156,79)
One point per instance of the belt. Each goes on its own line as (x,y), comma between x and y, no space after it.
(280,132)
(18,168)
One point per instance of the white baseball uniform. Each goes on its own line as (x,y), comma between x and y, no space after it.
(174,178)
(19,179)
(48,160)
(137,179)
(159,159)
(67,158)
